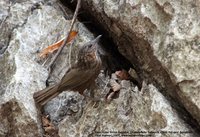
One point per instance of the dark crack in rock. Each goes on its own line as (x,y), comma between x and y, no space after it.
(161,39)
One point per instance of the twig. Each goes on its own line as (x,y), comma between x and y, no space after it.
(70,53)
(67,37)
(67,17)
(57,38)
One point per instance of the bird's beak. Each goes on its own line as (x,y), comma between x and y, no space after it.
(95,42)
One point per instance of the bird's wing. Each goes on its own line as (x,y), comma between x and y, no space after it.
(75,77)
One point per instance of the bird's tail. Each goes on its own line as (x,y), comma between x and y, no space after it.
(43,96)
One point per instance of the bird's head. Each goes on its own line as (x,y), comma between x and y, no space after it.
(90,49)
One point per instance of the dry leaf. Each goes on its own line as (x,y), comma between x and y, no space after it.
(109,97)
(55,46)
(46,122)
(122,74)
(115,86)
(49,128)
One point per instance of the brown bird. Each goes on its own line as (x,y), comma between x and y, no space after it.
(80,76)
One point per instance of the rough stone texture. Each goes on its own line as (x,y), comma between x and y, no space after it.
(28,26)
(161,38)
(16,122)
(134,110)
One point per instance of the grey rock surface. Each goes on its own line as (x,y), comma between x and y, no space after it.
(16,121)
(133,111)
(28,26)
(161,38)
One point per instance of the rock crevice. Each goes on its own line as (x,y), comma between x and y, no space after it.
(143,31)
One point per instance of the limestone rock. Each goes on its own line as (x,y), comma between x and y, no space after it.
(161,38)
(27,27)
(16,121)
(151,36)
(134,111)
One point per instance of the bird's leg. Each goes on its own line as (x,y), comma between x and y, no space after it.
(88,93)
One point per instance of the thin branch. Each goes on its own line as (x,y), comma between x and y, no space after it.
(67,37)
(48,58)
(67,17)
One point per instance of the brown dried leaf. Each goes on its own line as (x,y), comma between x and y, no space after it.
(46,122)
(122,74)
(115,86)
(109,97)
(49,129)
(55,46)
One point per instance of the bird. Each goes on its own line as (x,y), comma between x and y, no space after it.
(79,77)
